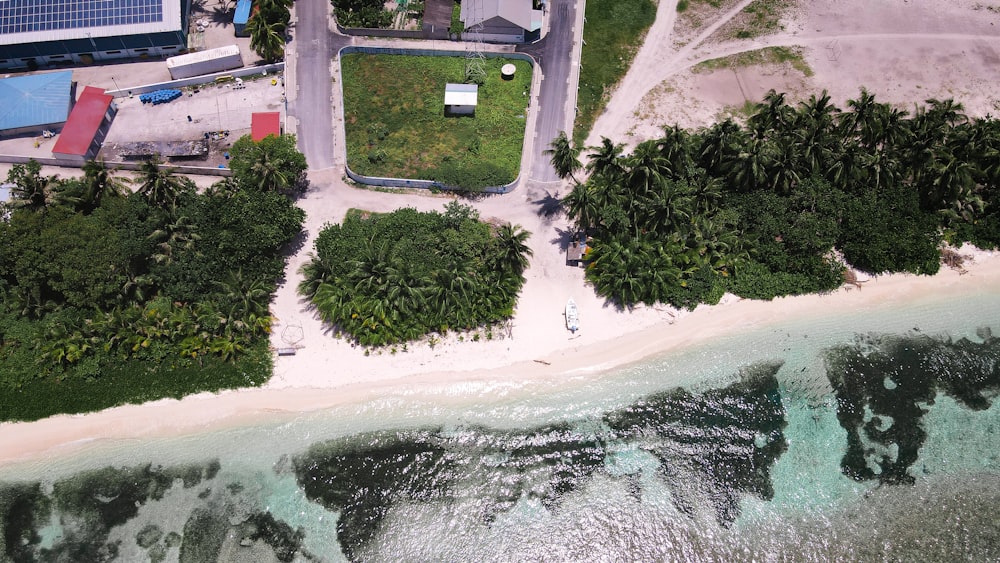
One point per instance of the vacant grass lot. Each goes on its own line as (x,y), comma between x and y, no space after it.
(613,33)
(396,126)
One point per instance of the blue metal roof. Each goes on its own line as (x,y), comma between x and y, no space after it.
(35,99)
(242,12)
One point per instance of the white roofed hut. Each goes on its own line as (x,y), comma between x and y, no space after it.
(461,99)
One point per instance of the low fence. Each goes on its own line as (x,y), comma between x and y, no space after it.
(429,33)
(196,80)
(133,166)
(409,182)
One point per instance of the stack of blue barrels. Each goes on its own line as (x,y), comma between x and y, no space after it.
(160,97)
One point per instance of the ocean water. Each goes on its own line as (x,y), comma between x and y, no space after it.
(851,437)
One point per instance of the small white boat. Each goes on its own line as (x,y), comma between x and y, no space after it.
(572,316)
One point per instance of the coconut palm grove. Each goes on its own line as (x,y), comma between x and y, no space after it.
(389,278)
(783,203)
(112,295)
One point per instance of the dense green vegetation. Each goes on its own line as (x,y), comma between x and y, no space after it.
(391,278)
(110,296)
(756,209)
(396,126)
(267,26)
(362,13)
(457,25)
(612,36)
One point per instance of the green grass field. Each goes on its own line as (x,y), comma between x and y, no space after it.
(613,33)
(396,126)
(767,55)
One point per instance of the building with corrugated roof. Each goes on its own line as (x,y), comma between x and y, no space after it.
(264,123)
(39,32)
(87,125)
(503,21)
(34,103)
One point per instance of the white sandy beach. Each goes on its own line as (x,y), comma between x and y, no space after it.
(327,371)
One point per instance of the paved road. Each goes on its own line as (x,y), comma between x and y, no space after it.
(312,104)
(554,54)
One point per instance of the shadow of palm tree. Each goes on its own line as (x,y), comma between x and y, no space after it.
(549,205)
(221,15)
(563,237)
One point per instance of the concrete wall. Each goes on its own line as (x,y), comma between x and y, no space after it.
(196,80)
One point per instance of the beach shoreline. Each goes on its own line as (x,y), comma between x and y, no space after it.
(535,345)
(69,434)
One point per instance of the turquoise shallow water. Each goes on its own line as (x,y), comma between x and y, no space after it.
(866,437)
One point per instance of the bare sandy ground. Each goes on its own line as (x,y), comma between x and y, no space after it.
(903,51)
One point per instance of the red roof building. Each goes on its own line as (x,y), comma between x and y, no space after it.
(87,125)
(265,123)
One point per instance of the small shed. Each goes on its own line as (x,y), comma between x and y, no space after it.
(265,123)
(460,99)
(241,17)
(87,125)
(35,102)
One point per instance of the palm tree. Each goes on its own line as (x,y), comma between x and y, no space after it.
(31,190)
(606,159)
(772,115)
(100,184)
(748,169)
(862,120)
(266,38)
(949,182)
(946,112)
(513,251)
(245,300)
(783,175)
(275,11)
(616,268)
(224,188)
(706,192)
(647,168)
(667,208)
(674,147)
(564,156)
(180,234)
(314,273)
(849,167)
(818,113)
(159,185)
(582,205)
(719,144)
(270,174)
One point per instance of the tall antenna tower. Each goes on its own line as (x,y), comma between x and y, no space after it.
(475,60)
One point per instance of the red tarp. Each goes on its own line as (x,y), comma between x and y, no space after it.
(264,124)
(83,122)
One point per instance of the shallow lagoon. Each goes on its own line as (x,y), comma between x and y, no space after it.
(734,451)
